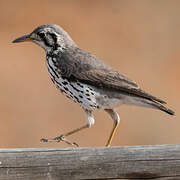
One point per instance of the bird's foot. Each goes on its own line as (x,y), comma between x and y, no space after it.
(58,139)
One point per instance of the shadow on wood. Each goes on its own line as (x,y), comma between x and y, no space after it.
(132,162)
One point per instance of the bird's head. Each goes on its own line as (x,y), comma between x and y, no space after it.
(50,37)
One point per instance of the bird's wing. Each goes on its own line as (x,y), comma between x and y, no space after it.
(84,67)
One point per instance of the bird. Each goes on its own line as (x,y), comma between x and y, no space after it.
(87,80)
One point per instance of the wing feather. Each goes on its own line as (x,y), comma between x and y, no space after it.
(85,67)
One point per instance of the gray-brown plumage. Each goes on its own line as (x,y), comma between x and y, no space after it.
(80,65)
(86,79)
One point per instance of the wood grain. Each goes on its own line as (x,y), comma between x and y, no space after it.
(130,162)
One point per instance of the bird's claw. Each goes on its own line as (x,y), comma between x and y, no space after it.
(58,139)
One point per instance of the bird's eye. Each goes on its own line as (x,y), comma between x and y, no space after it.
(41,35)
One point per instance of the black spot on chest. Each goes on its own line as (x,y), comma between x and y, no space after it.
(80,96)
(89,99)
(64,82)
(76,89)
(80,85)
(66,88)
(77,99)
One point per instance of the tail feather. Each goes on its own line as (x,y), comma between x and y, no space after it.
(156,105)
(163,108)
(153,98)
(159,106)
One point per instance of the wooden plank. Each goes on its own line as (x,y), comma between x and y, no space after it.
(133,162)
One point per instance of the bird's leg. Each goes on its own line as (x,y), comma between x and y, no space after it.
(114,115)
(90,122)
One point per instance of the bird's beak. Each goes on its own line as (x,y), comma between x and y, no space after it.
(22,39)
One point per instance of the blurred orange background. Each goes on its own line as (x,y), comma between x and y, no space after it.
(141,39)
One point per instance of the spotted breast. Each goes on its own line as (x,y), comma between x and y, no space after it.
(81,93)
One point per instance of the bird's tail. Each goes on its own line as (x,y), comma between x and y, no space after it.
(157,105)
(163,108)
(150,104)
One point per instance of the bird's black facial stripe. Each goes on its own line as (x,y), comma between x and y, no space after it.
(49,39)
(41,35)
(43,38)
(54,37)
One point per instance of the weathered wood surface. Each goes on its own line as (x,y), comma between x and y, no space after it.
(133,162)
